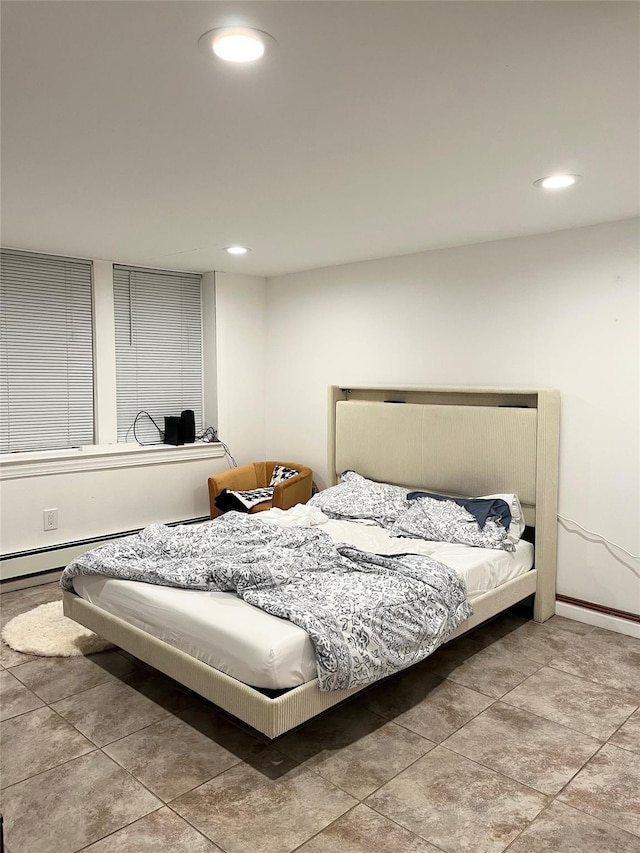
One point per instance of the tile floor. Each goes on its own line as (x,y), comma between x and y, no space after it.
(518,737)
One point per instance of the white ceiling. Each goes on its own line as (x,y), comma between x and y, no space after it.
(372,129)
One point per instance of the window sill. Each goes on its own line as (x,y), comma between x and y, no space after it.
(96,457)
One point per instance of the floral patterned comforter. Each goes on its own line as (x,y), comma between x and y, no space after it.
(368,615)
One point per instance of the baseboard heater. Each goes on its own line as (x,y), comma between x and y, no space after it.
(34,562)
(79,543)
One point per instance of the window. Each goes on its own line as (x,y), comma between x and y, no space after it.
(158,329)
(67,381)
(46,352)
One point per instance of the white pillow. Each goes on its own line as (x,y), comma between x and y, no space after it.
(358,499)
(438,519)
(516,528)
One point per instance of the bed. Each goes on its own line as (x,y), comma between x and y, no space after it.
(455,441)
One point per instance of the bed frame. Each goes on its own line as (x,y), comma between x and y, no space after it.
(457,441)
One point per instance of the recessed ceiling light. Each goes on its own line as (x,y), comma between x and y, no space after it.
(236,250)
(557,182)
(235,44)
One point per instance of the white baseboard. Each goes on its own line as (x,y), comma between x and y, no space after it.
(600,620)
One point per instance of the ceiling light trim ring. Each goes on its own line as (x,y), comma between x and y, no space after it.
(557,181)
(245,44)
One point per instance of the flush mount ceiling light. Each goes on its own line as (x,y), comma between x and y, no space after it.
(557,182)
(235,44)
(236,250)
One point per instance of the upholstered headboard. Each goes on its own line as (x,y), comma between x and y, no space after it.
(457,441)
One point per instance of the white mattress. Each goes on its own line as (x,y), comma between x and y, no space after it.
(263,650)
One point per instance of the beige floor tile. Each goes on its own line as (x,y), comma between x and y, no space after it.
(427,704)
(529,749)
(271,764)
(458,805)
(159,688)
(158,832)
(20,601)
(13,604)
(44,593)
(336,730)
(540,642)
(109,711)
(69,807)
(569,625)
(354,749)
(583,705)
(628,735)
(364,831)
(251,797)
(7,598)
(15,698)
(495,629)
(449,656)
(244,811)
(606,657)
(561,829)
(608,788)
(171,757)
(37,741)
(492,671)
(56,678)
(10,658)
(54,584)
(224,729)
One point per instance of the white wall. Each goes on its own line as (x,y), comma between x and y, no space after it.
(104,499)
(241,306)
(557,310)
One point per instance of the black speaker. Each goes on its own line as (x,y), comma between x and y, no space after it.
(173,431)
(188,424)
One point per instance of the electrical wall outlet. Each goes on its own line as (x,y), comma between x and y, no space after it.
(49,519)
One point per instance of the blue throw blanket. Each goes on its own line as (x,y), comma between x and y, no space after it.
(368,615)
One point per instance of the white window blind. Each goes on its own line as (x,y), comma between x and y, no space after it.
(158,349)
(46,352)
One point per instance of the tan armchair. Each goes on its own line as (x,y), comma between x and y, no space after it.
(257,475)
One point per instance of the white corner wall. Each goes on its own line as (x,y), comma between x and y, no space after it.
(241,312)
(556,310)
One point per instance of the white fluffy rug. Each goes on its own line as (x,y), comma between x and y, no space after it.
(46,631)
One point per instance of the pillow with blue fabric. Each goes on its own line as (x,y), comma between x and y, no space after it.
(491,521)
(357,499)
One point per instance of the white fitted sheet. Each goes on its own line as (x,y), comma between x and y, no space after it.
(260,649)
